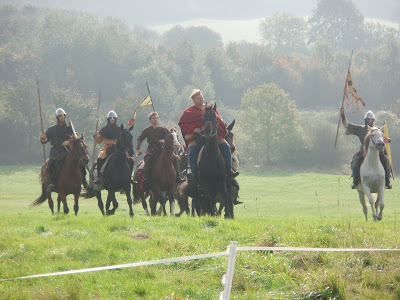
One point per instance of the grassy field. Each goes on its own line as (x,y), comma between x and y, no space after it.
(301,209)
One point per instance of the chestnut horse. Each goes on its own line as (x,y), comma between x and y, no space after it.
(69,178)
(163,176)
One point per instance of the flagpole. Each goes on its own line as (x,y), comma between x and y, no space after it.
(150,96)
(344,97)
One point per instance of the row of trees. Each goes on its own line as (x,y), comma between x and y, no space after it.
(282,99)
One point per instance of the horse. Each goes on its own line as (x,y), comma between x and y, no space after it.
(211,168)
(372,173)
(69,178)
(235,162)
(163,176)
(117,174)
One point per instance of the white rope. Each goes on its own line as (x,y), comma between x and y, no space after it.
(185,258)
(312,249)
(138,264)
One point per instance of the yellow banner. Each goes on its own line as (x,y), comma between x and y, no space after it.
(387,146)
(147,101)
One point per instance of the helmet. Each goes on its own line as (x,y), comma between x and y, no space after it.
(112,114)
(60,111)
(369,115)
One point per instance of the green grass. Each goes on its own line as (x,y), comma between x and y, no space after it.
(302,209)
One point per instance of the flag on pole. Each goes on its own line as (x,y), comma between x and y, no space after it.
(387,146)
(355,97)
(146,102)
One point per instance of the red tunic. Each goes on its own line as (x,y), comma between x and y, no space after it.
(192,118)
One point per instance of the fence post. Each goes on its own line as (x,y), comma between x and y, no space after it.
(228,277)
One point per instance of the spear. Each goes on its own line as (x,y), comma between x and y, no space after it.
(41,119)
(94,142)
(344,97)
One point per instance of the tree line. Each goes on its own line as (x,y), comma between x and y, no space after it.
(284,92)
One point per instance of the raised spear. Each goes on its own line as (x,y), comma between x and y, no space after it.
(41,119)
(94,142)
(344,96)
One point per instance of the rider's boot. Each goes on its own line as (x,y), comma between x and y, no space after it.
(388,185)
(355,177)
(99,165)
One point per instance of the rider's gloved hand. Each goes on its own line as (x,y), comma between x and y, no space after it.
(43,138)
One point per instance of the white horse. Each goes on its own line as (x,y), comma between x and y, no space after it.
(372,173)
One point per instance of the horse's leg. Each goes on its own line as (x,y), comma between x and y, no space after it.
(367,192)
(171,203)
(50,201)
(76,205)
(108,202)
(100,202)
(380,201)
(361,195)
(153,203)
(144,203)
(129,199)
(228,201)
(62,197)
(115,204)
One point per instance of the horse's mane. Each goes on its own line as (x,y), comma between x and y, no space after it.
(367,140)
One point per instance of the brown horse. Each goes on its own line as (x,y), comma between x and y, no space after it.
(163,177)
(163,174)
(69,179)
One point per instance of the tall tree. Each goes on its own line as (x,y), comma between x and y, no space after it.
(285,33)
(270,121)
(338,22)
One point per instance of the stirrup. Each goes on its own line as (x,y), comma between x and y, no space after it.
(354,185)
(388,185)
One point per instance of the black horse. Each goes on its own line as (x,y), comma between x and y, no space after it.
(117,174)
(211,168)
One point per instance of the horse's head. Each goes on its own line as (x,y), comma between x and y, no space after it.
(124,141)
(229,136)
(210,120)
(176,144)
(374,139)
(79,148)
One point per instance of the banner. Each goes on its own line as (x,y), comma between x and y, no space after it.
(146,102)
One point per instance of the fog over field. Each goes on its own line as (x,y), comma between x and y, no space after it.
(158,12)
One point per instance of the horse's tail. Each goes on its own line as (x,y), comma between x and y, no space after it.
(42,198)
(89,193)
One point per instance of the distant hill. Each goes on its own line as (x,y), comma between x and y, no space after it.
(159,12)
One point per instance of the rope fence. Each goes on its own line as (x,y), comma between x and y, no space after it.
(226,278)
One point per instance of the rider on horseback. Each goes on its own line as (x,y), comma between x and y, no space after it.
(361,131)
(58,135)
(155,135)
(109,135)
(191,124)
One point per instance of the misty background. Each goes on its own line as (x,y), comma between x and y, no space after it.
(277,67)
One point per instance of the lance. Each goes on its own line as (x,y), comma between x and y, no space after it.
(344,97)
(94,142)
(40,113)
(150,96)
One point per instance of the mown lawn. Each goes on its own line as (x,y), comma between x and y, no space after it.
(300,209)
